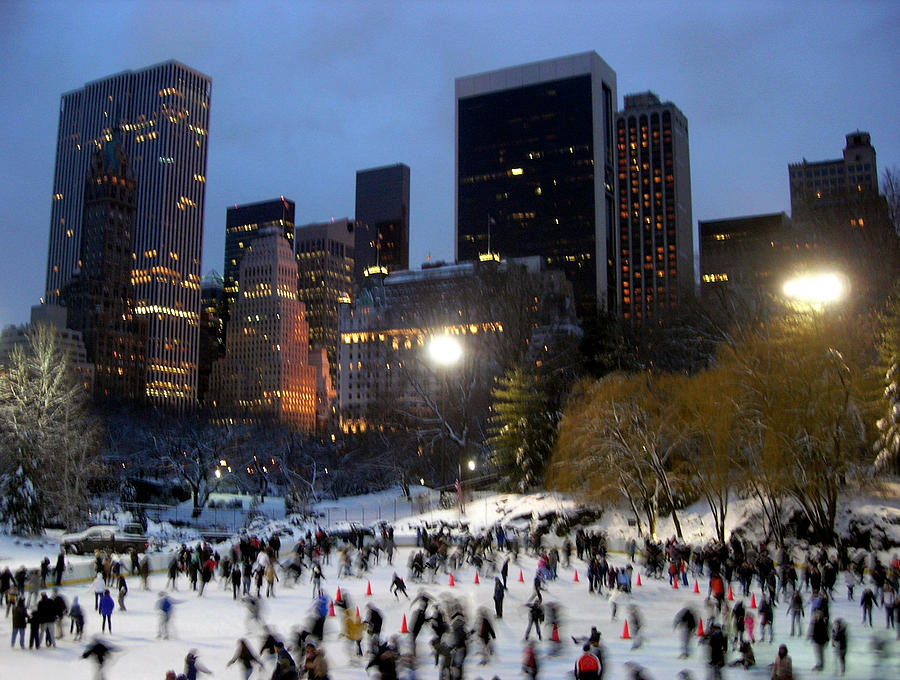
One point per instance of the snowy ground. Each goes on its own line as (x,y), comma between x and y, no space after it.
(213,623)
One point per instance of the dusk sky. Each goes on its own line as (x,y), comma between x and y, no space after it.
(306,93)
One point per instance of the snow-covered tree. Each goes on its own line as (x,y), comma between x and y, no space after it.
(49,441)
(887,446)
(524,421)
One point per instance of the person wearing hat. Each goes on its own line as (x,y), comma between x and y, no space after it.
(589,666)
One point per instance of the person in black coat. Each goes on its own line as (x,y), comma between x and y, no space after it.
(374,622)
(819,635)
(60,567)
(46,612)
(718,645)
(99,650)
(235,580)
(19,621)
(687,621)
(486,634)
(384,658)
(535,616)
(499,594)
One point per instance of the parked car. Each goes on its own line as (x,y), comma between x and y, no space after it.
(105,537)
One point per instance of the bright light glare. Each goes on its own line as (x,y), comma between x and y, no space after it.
(471,465)
(815,288)
(445,350)
(218,474)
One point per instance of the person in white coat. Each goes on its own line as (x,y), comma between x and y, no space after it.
(98,586)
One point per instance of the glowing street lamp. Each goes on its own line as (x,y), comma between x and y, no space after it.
(445,350)
(816,290)
(471,466)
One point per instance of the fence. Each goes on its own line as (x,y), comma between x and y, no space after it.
(228,519)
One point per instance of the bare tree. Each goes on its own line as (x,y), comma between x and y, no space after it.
(890,189)
(191,448)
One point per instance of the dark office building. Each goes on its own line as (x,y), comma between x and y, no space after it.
(325,265)
(382,215)
(536,170)
(212,329)
(162,115)
(747,255)
(657,236)
(838,212)
(242,225)
(100,296)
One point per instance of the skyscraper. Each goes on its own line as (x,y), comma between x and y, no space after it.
(658,242)
(325,266)
(535,170)
(382,215)
(242,226)
(212,329)
(265,373)
(100,296)
(162,113)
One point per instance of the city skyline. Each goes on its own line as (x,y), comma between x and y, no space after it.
(763,86)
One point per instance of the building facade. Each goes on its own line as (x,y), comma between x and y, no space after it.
(242,226)
(536,170)
(325,266)
(383,333)
(265,374)
(99,298)
(212,329)
(747,255)
(823,184)
(658,241)
(842,221)
(382,216)
(68,342)
(162,113)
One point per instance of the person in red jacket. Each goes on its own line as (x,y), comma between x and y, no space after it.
(588,667)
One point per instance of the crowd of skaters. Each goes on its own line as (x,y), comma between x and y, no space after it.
(252,563)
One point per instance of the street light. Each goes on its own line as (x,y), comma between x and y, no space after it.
(815,290)
(445,351)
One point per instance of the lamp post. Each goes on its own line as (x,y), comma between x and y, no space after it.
(445,351)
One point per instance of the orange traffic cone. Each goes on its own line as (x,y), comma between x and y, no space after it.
(477,580)
(338,598)
(639,580)
(369,588)
(730,594)
(753,601)
(625,634)
(331,611)
(700,632)
(576,576)
(404,628)
(696,586)
(357,613)
(452,581)
(555,636)
(675,583)
(521,577)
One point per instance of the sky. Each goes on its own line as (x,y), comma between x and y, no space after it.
(306,93)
